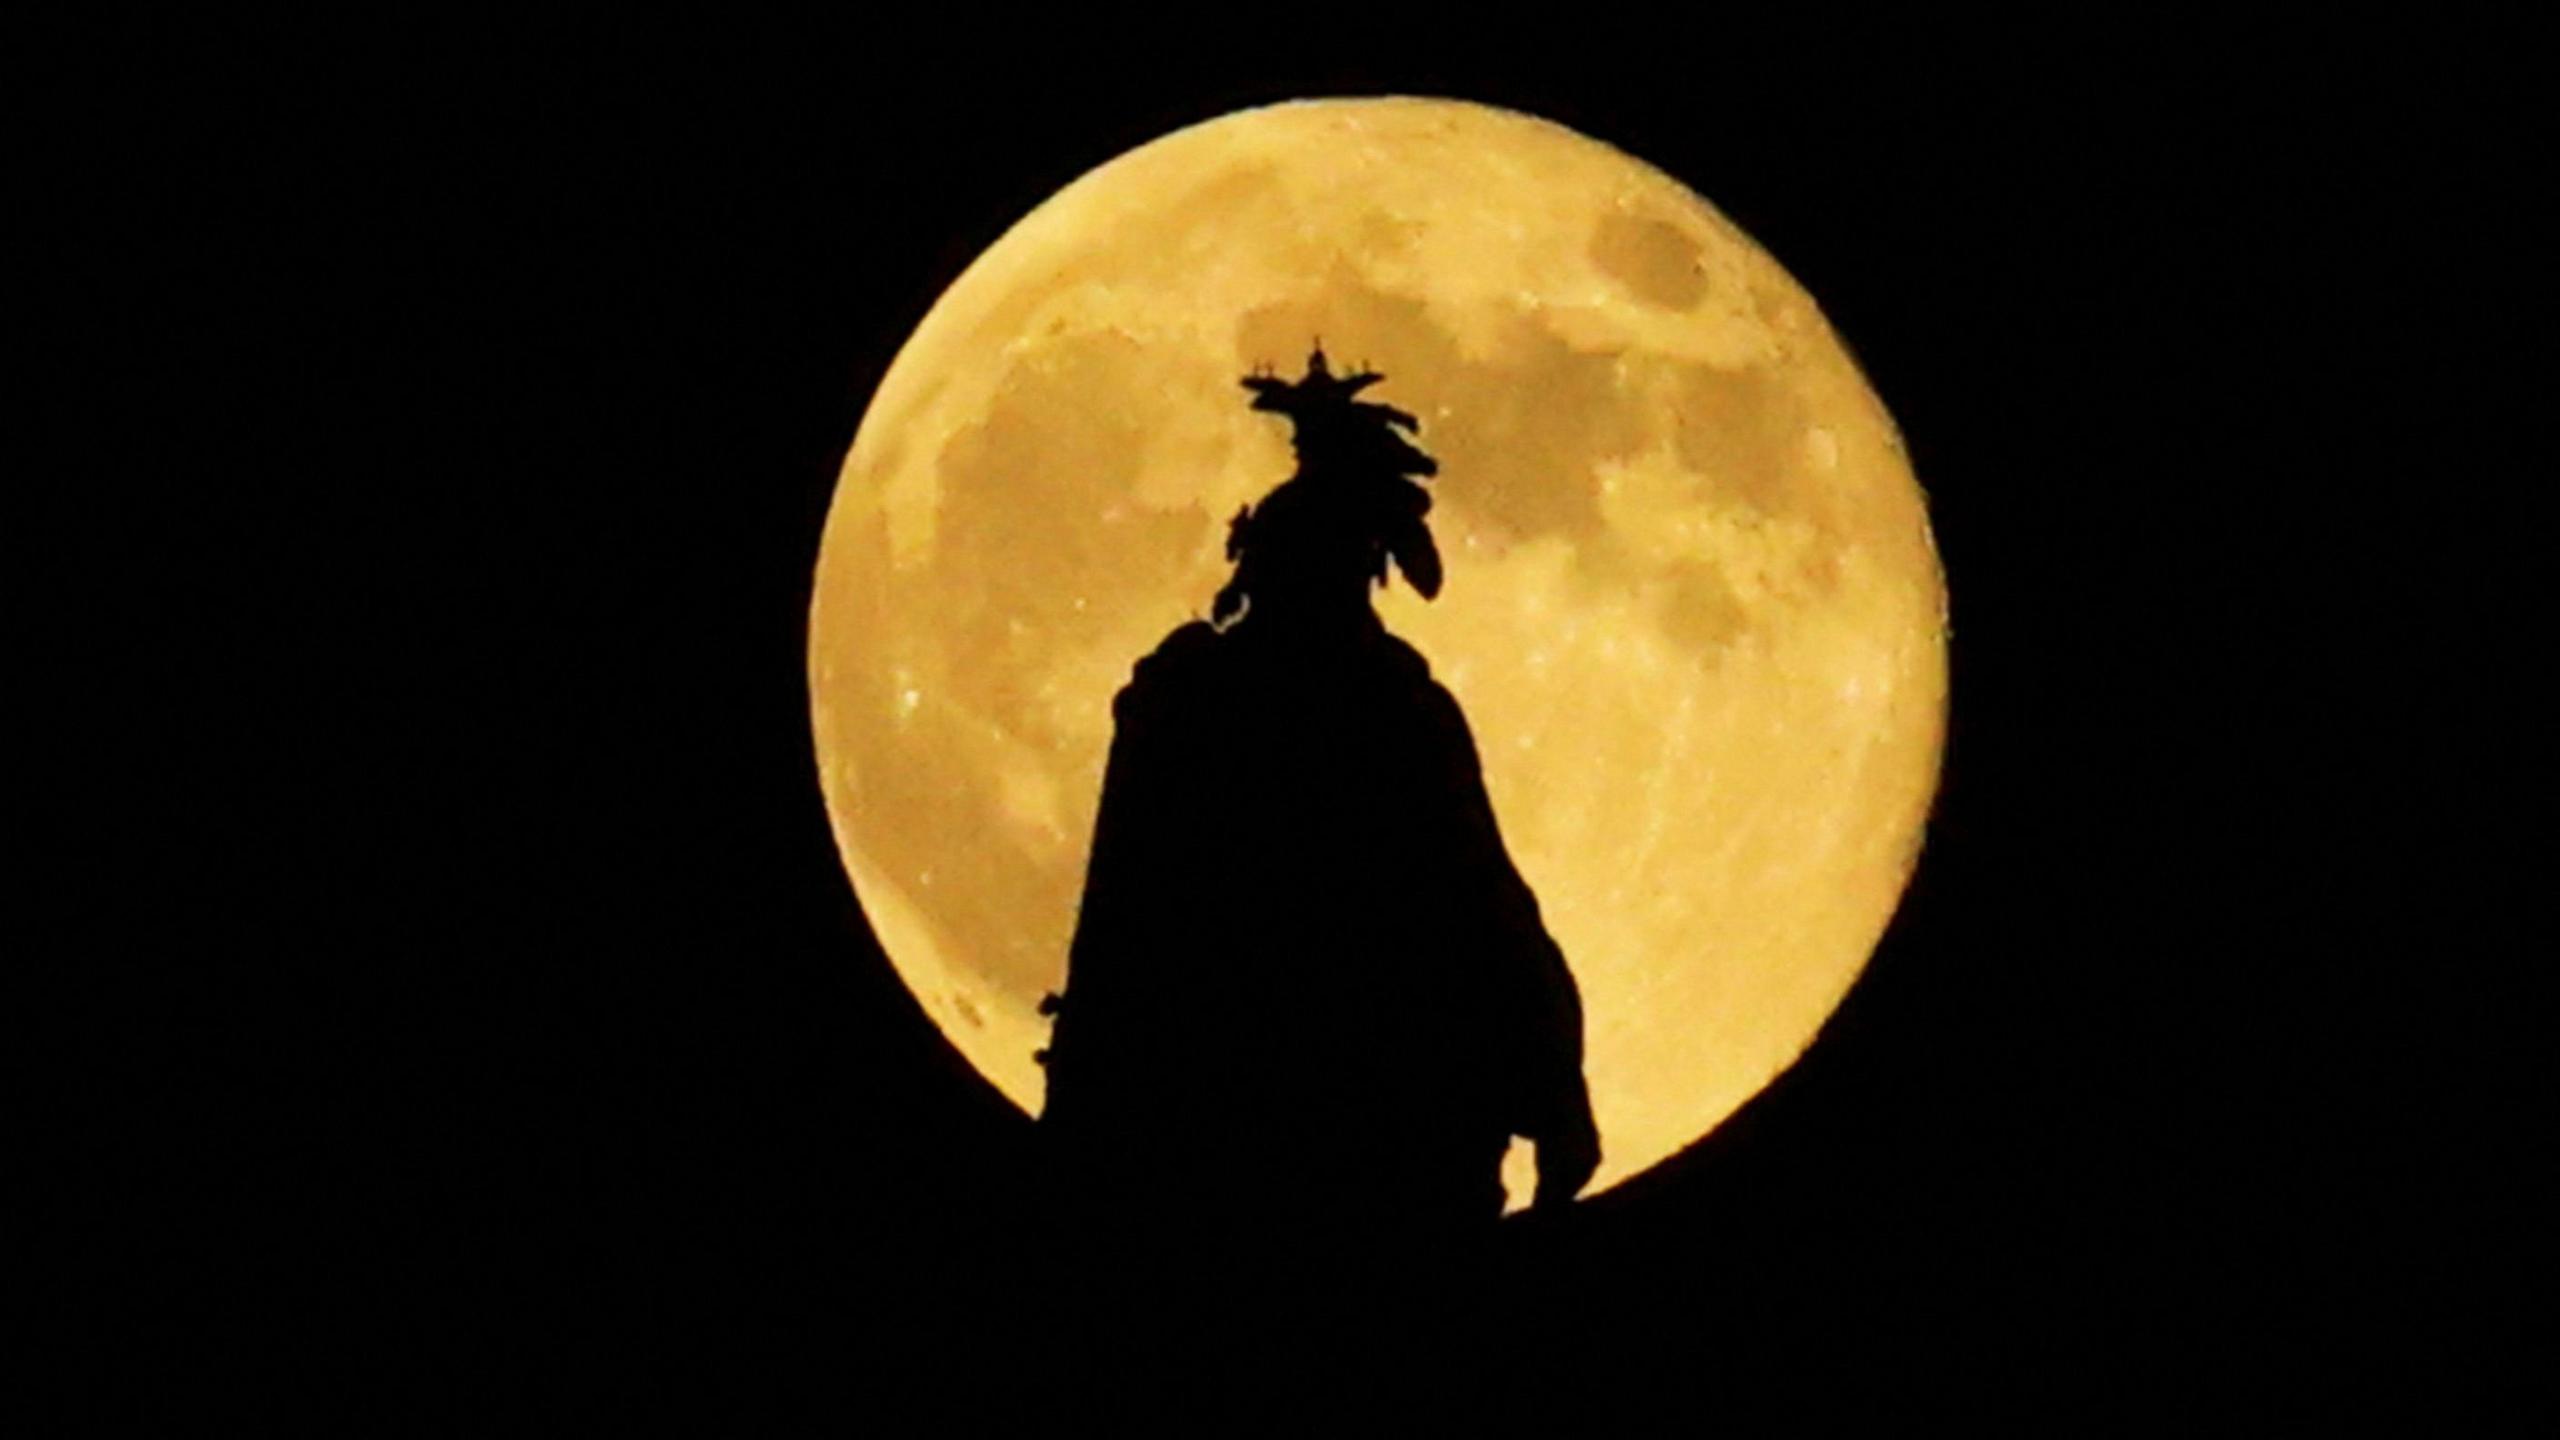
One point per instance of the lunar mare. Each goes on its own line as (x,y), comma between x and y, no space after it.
(1692,611)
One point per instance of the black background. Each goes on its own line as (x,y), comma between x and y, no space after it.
(495,1027)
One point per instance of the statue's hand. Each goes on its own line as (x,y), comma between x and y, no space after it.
(1566,1159)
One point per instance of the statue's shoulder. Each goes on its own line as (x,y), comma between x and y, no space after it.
(1177,664)
(1190,648)
(1405,661)
(1401,670)
(1425,700)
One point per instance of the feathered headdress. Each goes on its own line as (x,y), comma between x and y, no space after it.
(1348,451)
(1320,407)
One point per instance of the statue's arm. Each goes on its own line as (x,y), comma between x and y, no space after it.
(1096,1040)
(1555,1103)
(1115,874)
(1541,1006)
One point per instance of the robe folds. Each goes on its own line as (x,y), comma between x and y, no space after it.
(1307,982)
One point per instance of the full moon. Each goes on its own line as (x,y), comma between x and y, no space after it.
(1692,610)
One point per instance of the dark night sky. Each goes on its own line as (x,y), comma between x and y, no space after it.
(486,391)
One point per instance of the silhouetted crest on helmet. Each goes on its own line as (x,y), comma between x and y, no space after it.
(1354,503)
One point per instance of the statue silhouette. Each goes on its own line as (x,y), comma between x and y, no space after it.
(1309,997)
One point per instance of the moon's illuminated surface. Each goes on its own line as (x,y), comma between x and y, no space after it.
(1693,611)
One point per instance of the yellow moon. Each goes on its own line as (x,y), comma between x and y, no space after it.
(1693,610)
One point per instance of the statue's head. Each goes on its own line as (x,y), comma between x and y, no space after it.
(1314,546)
(1333,432)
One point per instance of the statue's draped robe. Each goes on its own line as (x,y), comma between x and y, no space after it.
(1307,987)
